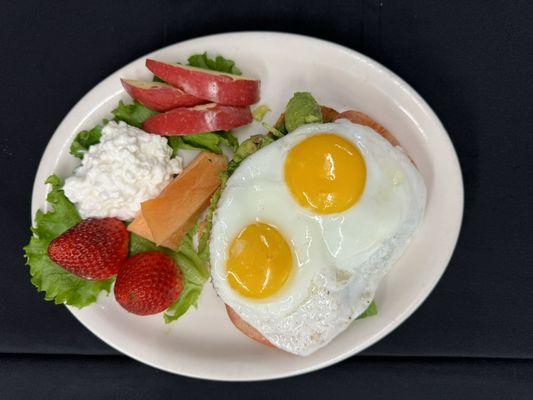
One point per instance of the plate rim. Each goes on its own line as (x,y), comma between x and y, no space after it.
(391,326)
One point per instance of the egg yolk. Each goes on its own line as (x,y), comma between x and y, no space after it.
(259,262)
(325,173)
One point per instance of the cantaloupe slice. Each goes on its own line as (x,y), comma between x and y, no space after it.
(140,227)
(167,218)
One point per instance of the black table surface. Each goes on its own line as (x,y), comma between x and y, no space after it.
(473,63)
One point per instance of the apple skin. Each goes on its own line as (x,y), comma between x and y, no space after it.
(159,96)
(199,119)
(216,87)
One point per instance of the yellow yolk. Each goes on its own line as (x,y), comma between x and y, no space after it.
(259,262)
(325,173)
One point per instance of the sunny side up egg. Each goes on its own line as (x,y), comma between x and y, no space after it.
(306,228)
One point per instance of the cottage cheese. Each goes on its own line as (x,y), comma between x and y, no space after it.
(127,167)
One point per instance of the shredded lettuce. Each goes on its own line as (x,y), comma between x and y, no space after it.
(372,309)
(85,139)
(209,141)
(260,112)
(273,130)
(58,284)
(219,63)
(205,235)
(247,148)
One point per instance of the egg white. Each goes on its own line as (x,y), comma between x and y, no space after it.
(339,258)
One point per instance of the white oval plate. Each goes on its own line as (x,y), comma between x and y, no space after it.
(203,343)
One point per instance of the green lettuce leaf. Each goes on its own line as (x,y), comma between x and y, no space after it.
(260,112)
(247,148)
(85,139)
(273,130)
(193,265)
(205,237)
(220,63)
(58,285)
(372,309)
(133,114)
(229,139)
(280,126)
(138,244)
(209,141)
(302,109)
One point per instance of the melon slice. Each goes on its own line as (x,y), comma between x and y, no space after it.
(167,218)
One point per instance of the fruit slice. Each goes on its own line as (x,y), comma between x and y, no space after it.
(246,328)
(148,283)
(203,118)
(214,86)
(159,96)
(167,218)
(94,249)
(360,118)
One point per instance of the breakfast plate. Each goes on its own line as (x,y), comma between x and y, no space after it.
(203,343)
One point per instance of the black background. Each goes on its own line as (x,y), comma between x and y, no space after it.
(473,63)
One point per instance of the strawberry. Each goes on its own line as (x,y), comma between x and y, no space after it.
(94,249)
(148,283)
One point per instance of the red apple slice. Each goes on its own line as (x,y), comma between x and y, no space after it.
(159,96)
(217,87)
(204,118)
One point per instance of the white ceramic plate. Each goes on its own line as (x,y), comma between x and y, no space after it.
(203,343)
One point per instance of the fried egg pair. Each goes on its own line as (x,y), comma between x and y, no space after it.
(306,228)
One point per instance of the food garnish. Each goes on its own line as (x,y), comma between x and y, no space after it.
(93,249)
(168,217)
(58,284)
(148,283)
(214,86)
(159,96)
(202,118)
